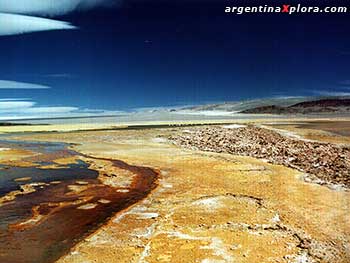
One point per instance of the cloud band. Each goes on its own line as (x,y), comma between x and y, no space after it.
(13,24)
(9,84)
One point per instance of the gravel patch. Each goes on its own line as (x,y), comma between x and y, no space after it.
(328,163)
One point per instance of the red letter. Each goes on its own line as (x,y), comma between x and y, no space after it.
(285,9)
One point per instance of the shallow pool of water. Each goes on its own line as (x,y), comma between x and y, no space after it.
(41,226)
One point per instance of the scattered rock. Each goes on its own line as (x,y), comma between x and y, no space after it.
(328,162)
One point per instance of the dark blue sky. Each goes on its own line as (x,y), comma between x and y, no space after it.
(148,53)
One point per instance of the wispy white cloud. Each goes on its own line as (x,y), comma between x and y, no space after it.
(49,110)
(9,106)
(14,24)
(44,75)
(331,93)
(13,109)
(13,99)
(50,7)
(25,16)
(287,97)
(9,84)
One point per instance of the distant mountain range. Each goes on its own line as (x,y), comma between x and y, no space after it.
(281,105)
(306,107)
(237,106)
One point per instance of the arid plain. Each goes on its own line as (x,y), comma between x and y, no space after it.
(156,200)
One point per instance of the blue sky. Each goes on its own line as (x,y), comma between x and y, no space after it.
(100,57)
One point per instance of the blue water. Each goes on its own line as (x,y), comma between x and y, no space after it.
(73,171)
(42,147)
(8,174)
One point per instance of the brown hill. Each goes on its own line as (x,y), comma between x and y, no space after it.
(317,106)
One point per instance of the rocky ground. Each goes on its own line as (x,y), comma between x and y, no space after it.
(210,207)
(327,163)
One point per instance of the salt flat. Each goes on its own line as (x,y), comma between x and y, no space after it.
(210,207)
